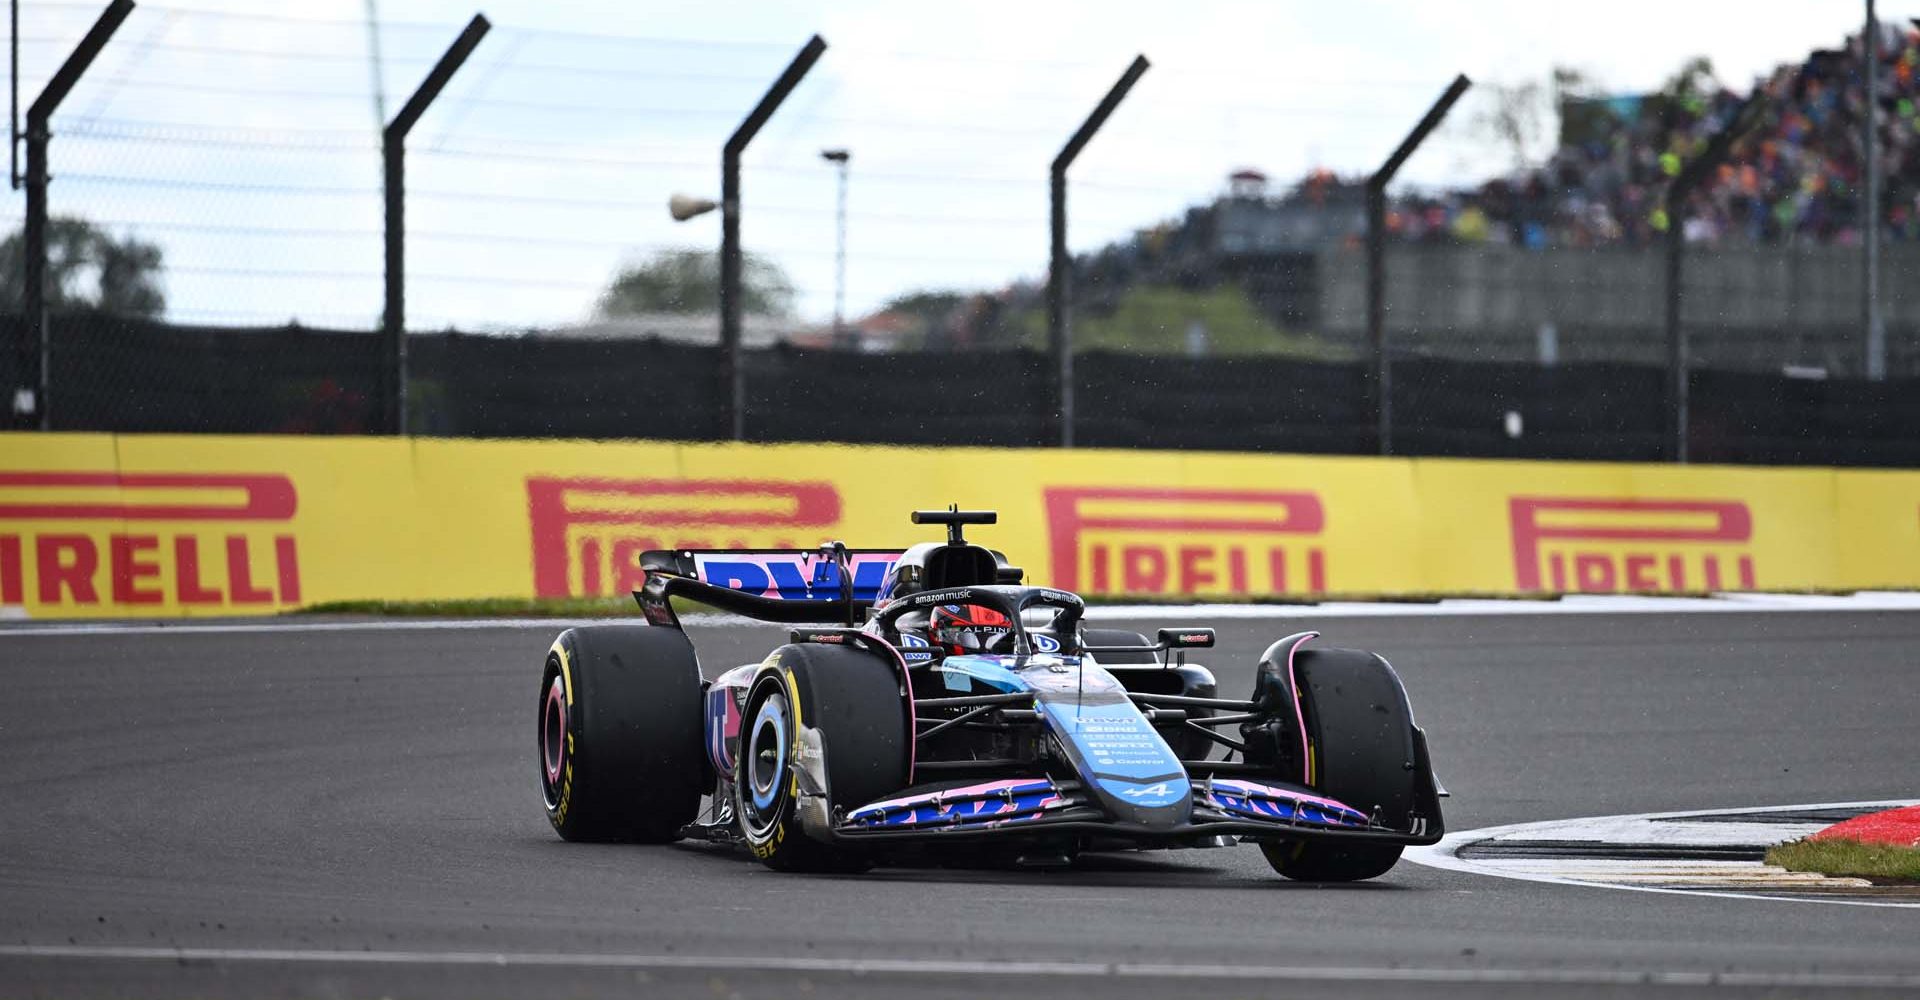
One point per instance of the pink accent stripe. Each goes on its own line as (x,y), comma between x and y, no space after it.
(1293,682)
(1281,793)
(950,793)
(913,720)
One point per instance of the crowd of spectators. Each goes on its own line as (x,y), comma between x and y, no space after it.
(1797,175)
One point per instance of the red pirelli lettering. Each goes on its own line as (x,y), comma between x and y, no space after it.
(240,574)
(689,512)
(286,562)
(265,497)
(129,569)
(1167,557)
(67,566)
(13,584)
(66,562)
(1588,556)
(186,572)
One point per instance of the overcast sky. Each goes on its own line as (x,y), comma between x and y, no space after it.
(244,143)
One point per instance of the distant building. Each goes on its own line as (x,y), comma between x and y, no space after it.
(1271,246)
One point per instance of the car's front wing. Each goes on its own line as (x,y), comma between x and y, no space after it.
(1045,807)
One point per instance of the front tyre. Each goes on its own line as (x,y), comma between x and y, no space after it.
(1320,861)
(850,700)
(619,734)
(1362,733)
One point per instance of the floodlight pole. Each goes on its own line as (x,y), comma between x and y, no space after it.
(1382,383)
(33,299)
(840,159)
(393,154)
(13,95)
(1679,392)
(1059,277)
(733,370)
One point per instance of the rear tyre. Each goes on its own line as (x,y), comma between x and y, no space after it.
(1361,729)
(619,735)
(855,701)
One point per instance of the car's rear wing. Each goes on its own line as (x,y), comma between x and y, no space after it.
(829,584)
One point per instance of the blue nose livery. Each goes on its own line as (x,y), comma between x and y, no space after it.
(1117,754)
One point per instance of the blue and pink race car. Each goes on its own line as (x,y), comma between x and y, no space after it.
(930,705)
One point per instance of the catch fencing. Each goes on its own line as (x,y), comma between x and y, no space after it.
(140,376)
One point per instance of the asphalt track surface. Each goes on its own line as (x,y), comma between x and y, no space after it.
(355,814)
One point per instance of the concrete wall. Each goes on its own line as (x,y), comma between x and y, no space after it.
(1753,308)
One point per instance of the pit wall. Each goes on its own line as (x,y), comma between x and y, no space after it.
(155,525)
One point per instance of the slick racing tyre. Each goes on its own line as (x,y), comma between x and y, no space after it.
(621,755)
(854,700)
(1362,733)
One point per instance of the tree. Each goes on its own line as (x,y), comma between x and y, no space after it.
(688,281)
(930,312)
(87,269)
(1511,118)
(1692,85)
(1586,115)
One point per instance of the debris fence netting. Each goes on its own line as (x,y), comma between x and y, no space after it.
(131,375)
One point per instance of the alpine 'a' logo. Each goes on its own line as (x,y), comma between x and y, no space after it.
(910,641)
(1157,789)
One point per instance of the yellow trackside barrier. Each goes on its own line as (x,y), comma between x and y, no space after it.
(1876,525)
(178,525)
(1605,527)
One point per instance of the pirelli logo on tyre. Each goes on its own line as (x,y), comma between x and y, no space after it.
(80,542)
(588,532)
(1151,540)
(1609,545)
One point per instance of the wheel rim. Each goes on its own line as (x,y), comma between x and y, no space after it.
(764,770)
(553,740)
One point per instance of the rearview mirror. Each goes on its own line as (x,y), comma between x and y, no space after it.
(1186,638)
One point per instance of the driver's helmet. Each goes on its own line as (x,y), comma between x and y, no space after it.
(970,628)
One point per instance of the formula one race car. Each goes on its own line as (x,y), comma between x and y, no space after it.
(949,710)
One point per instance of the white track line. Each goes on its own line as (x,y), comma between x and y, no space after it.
(274,626)
(1594,604)
(1573,604)
(963,967)
(1605,829)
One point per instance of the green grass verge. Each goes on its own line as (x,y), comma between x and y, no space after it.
(1154,319)
(1848,857)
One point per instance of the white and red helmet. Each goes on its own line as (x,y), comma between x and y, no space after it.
(970,628)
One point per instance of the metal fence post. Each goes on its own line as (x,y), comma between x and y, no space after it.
(33,299)
(1059,278)
(393,157)
(1679,364)
(1377,259)
(733,370)
(1876,349)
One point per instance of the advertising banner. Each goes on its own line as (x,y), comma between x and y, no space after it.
(158,525)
